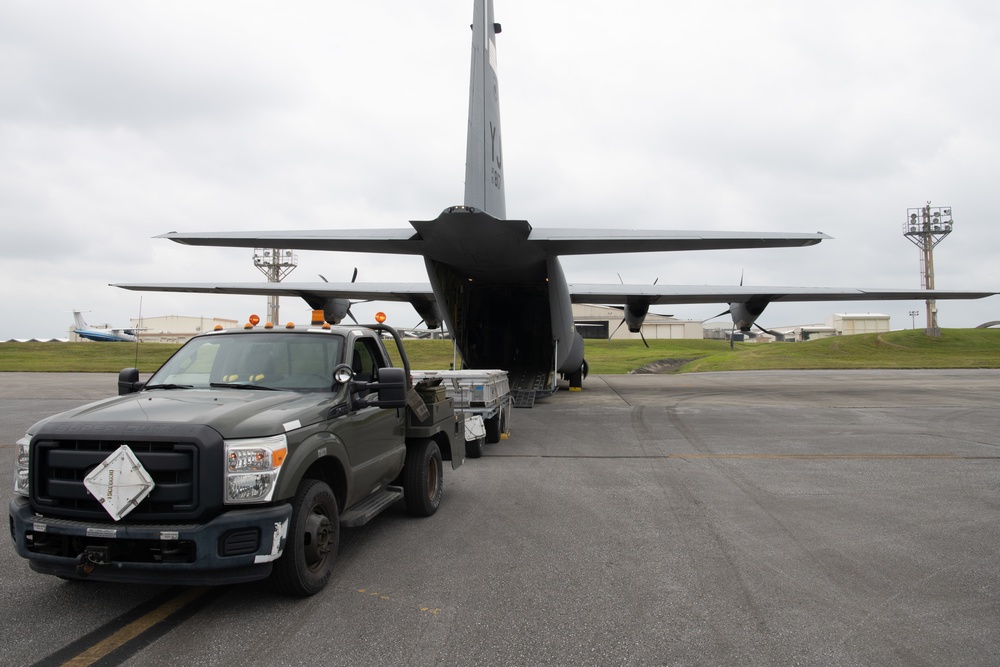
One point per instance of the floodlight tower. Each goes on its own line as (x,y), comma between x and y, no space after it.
(926,227)
(275,264)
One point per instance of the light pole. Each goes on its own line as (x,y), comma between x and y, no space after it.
(275,264)
(926,227)
(913,318)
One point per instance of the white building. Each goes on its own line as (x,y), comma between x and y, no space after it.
(838,324)
(848,324)
(177,328)
(602,322)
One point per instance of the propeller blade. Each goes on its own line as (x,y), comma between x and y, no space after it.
(354,278)
(767,331)
(643,338)
(617,328)
(725,312)
(732,334)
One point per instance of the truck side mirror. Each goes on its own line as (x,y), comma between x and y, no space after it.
(128,381)
(392,388)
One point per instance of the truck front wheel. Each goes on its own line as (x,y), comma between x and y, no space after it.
(311,547)
(422,483)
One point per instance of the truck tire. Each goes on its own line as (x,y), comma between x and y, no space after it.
(493,430)
(311,545)
(422,478)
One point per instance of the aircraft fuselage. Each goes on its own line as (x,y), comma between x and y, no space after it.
(505,300)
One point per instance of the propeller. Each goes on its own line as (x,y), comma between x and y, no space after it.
(750,309)
(626,310)
(354,278)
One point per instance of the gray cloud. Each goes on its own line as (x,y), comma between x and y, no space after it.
(121,122)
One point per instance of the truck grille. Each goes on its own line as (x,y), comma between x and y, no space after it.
(60,466)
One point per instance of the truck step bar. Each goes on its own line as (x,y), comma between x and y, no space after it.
(371,507)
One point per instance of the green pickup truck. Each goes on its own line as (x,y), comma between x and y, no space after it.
(239,459)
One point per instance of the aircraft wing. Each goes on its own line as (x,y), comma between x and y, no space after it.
(681,294)
(374,291)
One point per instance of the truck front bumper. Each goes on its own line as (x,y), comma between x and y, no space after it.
(237,546)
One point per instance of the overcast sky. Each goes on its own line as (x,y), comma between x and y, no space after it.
(120,121)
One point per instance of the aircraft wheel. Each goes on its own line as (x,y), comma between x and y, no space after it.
(311,545)
(422,478)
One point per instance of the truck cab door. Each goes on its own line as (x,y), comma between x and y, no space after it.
(376,445)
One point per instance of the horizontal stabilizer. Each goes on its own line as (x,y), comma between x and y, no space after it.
(391,241)
(608,241)
(423,239)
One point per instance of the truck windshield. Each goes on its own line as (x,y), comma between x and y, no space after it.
(265,360)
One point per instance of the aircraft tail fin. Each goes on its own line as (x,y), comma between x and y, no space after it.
(78,318)
(484,180)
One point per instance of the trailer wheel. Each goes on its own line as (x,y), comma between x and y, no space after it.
(422,478)
(311,546)
(474,448)
(493,428)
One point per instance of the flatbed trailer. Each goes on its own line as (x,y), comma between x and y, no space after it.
(482,396)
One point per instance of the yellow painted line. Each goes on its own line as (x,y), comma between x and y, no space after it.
(135,628)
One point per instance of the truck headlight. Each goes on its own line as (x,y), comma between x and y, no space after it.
(252,467)
(21,467)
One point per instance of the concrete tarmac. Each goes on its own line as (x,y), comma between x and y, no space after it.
(787,517)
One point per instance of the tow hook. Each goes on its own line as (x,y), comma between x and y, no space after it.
(90,557)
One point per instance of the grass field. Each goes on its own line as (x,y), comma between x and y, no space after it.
(956,348)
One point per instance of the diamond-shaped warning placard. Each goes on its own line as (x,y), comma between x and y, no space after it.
(119,483)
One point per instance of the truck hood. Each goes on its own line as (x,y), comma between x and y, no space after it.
(234,413)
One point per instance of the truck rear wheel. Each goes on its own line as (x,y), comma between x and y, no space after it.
(311,545)
(422,478)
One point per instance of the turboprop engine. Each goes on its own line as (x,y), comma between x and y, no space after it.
(633,315)
(745,314)
(428,311)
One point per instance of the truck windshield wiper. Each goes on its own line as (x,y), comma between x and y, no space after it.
(167,385)
(238,385)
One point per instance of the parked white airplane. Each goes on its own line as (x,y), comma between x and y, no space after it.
(498,283)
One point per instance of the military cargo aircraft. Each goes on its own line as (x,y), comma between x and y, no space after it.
(498,284)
